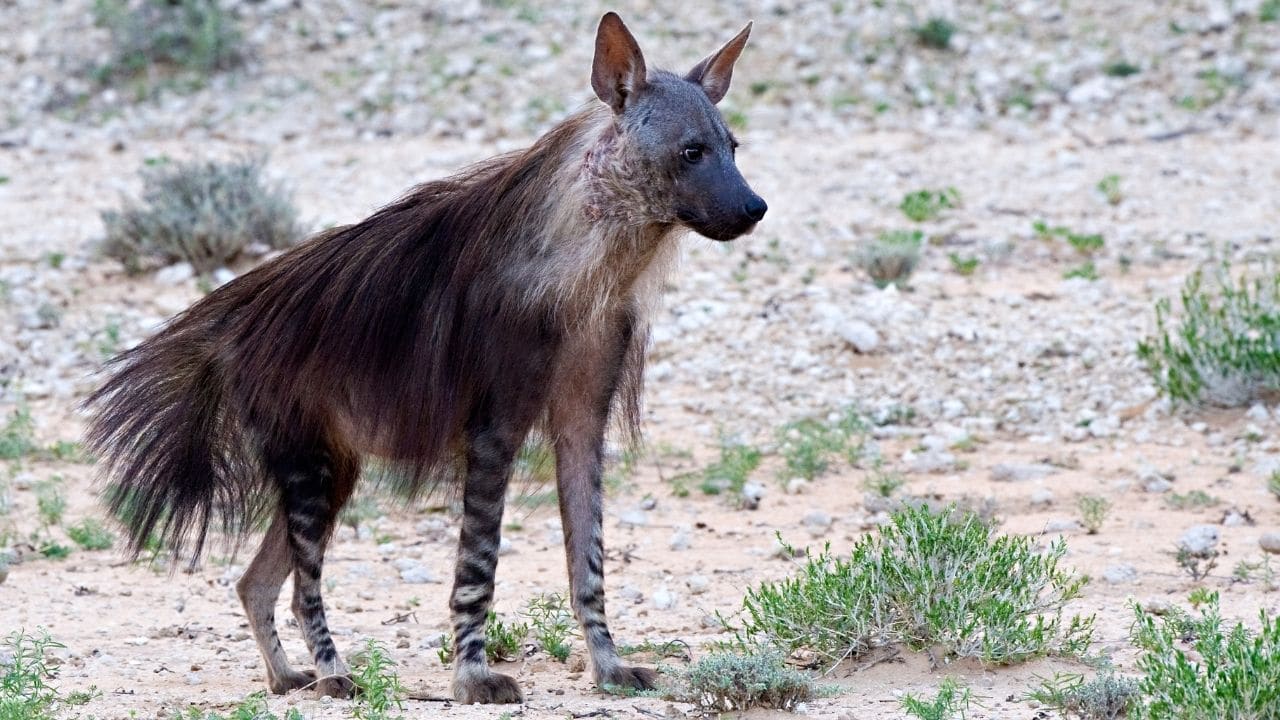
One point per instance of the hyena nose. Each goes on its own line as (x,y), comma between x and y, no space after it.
(756,208)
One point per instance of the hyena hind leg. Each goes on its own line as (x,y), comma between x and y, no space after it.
(312,493)
(259,589)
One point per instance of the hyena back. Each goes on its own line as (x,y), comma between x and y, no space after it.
(434,335)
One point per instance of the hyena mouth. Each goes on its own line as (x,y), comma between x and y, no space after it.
(722,232)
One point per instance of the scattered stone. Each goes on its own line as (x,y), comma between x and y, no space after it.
(648,503)
(1041,497)
(697,584)
(1120,574)
(797,486)
(418,575)
(860,335)
(1021,472)
(1199,540)
(175,274)
(752,494)
(633,518)
(1157,606)
(1061,526)
(1270,543)
(664,599)
(680,540)
(433,641)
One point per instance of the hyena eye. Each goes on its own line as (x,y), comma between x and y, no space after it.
(691,154)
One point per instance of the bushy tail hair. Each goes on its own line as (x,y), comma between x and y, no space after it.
(172,448)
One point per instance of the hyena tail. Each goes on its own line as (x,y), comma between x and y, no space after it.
(172,448)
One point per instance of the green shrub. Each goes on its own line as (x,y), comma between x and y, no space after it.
(379,690)
(1121,68)
(1106,697)
(924,205)
(1224,349)
(725,682)
(551,624)
(808,446)
(90,535)
(929,580)
(952,701)
(964,266)
(502,640)
(253,707)
(196,36)
(25,692)
(1194,667)
(204,213)
(730,472)
(1109,186)
(17,437)
(1093,511)
(936,33)
(891,257)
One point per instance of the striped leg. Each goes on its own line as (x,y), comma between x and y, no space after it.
(259,588)
(489,461)
(579,417)
(312,491)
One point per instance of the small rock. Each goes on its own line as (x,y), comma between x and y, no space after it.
(816,519)
(697,584)
(193,678)
(505,547)
(752,494)
(648,503)
(797,485)
(1157,485)
(633,518)
(1020,472)
(1157,606)
(1060,526)
(629,593)
(664,599)
(175,274)
(681,539)
(222,276)
(1199,540)
(1120,574)
(431,642)
(418,575)
(1041,497)
(860,335)
(1270,543)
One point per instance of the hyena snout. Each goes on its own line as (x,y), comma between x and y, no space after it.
(755,208)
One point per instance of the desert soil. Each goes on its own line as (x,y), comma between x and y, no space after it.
(967,378)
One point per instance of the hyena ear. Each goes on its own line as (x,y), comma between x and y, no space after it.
(715,72)
(618,70)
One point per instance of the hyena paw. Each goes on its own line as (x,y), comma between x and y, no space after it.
(624,678)
(490,688)
(337,687)
(291,681)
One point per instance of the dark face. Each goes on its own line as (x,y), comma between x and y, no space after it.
(687,151)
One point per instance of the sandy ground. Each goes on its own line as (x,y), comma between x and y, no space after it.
(154,642)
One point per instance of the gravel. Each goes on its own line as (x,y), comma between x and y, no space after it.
(1270,543)
(1200,540)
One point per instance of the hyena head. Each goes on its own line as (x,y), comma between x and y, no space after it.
(671,147)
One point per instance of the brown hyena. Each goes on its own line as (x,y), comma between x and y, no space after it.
(433,336)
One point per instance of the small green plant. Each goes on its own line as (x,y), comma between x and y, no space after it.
(1224,348)
(929,580)
(51,503)
(551,624)
(380,692)
(204,213)
(1196,564)
(808,446)
(952,701)
(503,640)
(1273,484)
(17,437)
(1106,697)
(1109,186)
(445,651)
(881,482)
(89,534)
(935,33)
(923,205)
(729,473)
(1191,500)
(965,266)
(1085,271)
(891,257)
(1093,511)
(537,461)
(253,707)
(1255,571)
(725,682)
(678,649)
(1086,245)
(1195,666)
(25,692)
(1121,68)
(1270,11)
(196,36)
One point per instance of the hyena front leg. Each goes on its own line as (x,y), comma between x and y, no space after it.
(579,417)
(491,450)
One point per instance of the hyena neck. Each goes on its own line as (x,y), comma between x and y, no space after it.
(609,249)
